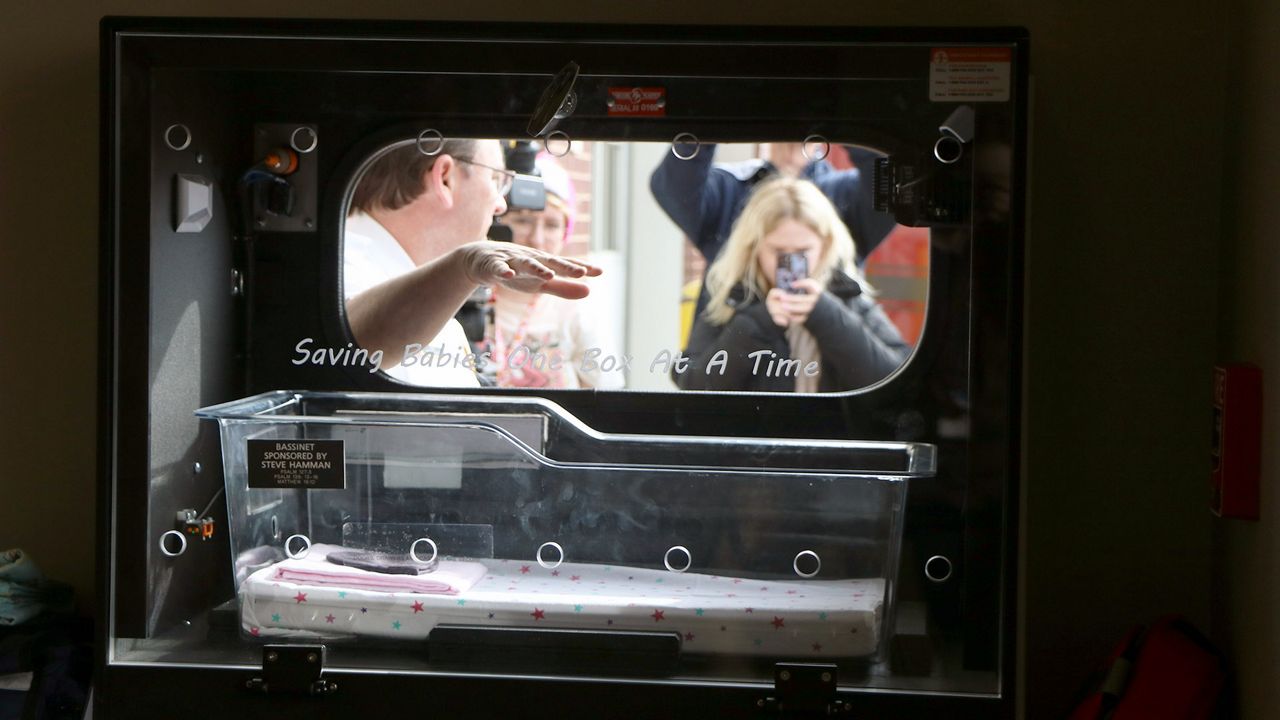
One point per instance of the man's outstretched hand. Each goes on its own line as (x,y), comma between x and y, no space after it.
(524,269)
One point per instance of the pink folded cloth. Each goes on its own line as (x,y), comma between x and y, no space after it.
(450,577)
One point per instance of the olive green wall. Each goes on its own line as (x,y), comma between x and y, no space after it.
(1246,591)
(1125,197)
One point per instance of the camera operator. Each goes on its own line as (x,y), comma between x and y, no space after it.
(537,340)
(705,199)
(788,310)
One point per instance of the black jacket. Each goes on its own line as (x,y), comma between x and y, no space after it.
(858,343)
(705,199)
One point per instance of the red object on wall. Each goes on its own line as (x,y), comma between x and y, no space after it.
(899,271)
(898,268)
(1237,441)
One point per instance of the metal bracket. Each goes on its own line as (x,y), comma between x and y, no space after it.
(297,212)
(292,669)
(803,690)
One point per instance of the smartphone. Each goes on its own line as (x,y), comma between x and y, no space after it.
(791,267)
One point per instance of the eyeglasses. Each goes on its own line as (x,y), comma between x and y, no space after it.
(502,178)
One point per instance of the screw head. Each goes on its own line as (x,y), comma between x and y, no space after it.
(309,223)
(785,675)
(272,656)
(826,677)
(197,468)
(311,657)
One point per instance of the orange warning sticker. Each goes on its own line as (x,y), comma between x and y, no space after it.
(637,101)
(974,74)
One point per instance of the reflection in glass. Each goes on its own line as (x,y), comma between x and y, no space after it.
(534,339)
(654,222)
(787,309)
(409,211)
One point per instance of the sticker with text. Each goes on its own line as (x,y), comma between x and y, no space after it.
(637,101)
(977,74)
(305,464)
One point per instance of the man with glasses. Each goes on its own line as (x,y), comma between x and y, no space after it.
(414,251)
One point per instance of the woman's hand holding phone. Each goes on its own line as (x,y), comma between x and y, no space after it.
(793,307)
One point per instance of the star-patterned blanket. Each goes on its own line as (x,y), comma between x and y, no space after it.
(713,614)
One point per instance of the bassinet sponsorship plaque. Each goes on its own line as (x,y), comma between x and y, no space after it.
(309,464)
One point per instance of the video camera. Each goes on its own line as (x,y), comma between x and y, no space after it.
(527,191)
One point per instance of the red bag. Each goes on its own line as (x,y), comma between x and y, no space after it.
(1167,672)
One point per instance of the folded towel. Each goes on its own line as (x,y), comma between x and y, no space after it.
(450,577)
(21,590)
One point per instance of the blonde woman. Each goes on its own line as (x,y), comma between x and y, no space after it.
(788,310)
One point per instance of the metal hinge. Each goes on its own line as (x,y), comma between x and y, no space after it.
(803,690)
(292,669)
